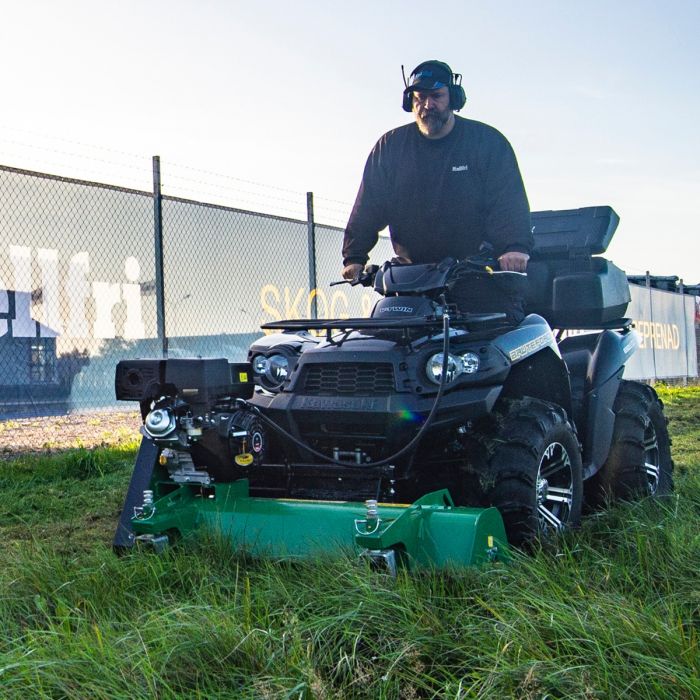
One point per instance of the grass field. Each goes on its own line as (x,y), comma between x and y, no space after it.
(614,614)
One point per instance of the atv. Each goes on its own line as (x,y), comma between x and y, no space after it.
(497,432)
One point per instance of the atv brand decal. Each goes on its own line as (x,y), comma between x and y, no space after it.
(337,403)
(530,347)
(400,309)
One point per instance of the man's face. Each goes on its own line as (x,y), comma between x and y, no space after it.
(432,110)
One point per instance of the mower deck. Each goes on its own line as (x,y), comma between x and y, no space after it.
(430,533)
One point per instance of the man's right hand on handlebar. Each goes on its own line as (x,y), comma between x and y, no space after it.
(352,271)
(513,262)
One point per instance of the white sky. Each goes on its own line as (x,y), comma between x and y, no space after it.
(256,103)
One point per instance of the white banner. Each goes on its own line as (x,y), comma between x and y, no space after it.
(665,322)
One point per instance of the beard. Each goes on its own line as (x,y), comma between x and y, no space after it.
(431,121)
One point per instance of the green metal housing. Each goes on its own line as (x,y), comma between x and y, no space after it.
(430,533)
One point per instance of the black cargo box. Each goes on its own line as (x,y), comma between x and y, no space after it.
(558,233)
(568,285)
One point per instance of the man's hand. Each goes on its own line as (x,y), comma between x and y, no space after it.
(513,261)
(352,271)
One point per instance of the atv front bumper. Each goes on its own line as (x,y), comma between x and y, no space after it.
(463,404)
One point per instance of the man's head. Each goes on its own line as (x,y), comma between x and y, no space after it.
(432,94)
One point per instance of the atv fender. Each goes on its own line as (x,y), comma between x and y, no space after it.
(596,363)
(541,376)
(537,368)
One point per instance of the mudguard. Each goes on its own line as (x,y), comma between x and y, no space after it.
(601,362)
(537,366)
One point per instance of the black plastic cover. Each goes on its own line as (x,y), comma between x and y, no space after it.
(412,279)
(561,233)
(136,380)
(576,298)
(197,380)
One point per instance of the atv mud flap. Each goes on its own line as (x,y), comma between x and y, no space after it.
(432,532)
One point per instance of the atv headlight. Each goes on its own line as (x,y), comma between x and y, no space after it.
(259,363)
(277,368)
(470,363)
(271,371)
(434,368)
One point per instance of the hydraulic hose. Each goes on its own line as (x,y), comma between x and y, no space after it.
(413,442)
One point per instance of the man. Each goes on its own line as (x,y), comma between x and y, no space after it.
(444,185)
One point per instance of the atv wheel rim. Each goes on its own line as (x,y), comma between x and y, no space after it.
(554,488)
(652,463)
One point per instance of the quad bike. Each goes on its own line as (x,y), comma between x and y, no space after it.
(424,434)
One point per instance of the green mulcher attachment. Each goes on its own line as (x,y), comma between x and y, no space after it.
(204,466)
(430,533)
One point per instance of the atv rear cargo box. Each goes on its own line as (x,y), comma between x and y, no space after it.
(569,286)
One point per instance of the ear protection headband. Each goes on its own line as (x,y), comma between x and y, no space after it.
(458,97)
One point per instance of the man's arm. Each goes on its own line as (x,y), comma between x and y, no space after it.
(507,212)
(368,215)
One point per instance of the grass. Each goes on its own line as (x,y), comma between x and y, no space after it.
(615,614)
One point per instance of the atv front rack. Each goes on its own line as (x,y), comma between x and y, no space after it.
(315,324)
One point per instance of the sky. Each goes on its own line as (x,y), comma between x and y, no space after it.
(255,104)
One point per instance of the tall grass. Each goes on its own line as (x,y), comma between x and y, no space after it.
(615,613)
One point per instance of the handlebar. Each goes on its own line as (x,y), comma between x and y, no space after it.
(475,264)
(365,278)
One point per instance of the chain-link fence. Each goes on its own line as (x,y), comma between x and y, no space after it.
(80,286)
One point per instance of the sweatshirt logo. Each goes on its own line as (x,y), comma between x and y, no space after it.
(459,168)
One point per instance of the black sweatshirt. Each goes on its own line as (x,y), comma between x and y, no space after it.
(440,197)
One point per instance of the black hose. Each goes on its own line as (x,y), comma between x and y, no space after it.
(414,441)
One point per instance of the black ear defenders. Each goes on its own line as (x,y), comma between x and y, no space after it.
(458,97)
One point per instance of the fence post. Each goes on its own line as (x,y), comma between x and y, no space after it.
(311,244)
(681,289)
(158,248)
(652,337)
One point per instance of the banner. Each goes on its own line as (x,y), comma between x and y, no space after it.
(665,323)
